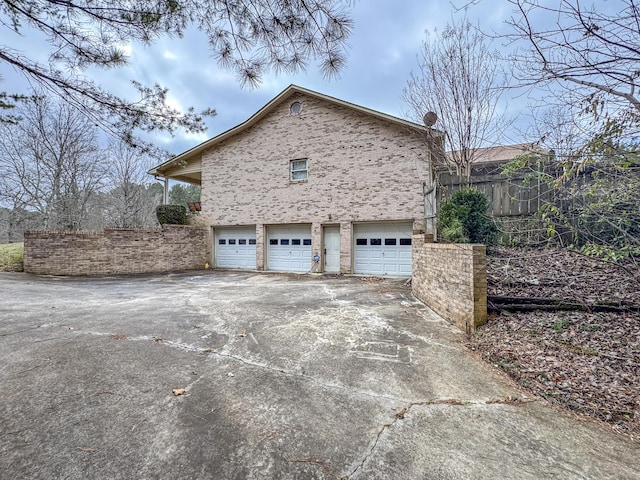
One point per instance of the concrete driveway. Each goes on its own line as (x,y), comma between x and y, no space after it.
(284,378)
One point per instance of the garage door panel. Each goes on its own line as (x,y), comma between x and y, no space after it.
(373,255)
(383,248)
(391,255)
(235,247)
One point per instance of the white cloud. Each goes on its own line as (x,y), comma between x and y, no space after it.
(169,55)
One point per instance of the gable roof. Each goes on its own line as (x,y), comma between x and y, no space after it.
(195,152)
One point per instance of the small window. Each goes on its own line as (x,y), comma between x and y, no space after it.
(375,241)
(222,241)
(273,241)
(252,241)
(295,241)
(405,241)
(390,241)
(284,241)
(232,241)
(242,241)
(361,241)
(298,170)
(306,241)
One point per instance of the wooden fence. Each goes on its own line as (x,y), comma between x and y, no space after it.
(509,196)
(517,200)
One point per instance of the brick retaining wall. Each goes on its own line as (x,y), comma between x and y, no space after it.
(115,251)
(452,280)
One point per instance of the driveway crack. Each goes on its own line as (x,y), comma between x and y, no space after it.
(15,332)
(401,414)
(293,374)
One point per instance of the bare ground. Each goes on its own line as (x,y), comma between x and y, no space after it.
(587,362)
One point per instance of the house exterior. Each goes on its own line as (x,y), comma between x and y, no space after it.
(312,183)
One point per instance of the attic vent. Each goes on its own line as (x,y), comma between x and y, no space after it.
(295,108)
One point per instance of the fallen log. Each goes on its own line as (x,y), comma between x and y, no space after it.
(528,304)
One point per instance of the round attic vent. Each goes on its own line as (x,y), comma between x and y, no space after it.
(295,108)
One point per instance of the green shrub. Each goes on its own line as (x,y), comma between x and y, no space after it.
(466,218)
(454,231)
(171,214)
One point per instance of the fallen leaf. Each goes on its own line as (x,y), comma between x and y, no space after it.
(179,391)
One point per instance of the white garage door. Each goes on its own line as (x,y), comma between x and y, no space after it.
(235,247)
(289,248)
(383,248)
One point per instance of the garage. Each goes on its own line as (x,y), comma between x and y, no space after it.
(235,247)
(383,248)
(289,248)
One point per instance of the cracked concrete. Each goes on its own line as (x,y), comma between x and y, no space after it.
(285,377)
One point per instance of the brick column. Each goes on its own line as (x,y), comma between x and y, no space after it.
(260,247)
(346,240)
(316,247)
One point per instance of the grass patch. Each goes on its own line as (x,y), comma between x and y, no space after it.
(11,257)
(561,324)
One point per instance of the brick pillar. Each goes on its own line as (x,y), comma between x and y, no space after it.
(316,247)
(260,236)
(346,240)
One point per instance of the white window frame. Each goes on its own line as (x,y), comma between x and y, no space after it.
(293,171)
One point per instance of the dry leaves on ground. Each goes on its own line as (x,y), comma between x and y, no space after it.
(587,362)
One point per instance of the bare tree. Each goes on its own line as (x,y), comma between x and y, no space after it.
(590,52)
(129,200)
(50,163)
(247,36)
(559,131)
(459,80)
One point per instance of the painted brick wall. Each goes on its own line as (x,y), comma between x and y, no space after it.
(360,168)
(115,251)
(452,280)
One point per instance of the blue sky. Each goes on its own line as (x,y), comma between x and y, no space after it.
(382,53)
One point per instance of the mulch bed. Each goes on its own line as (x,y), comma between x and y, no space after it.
(586,361)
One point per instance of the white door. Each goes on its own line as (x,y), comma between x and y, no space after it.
(383,248)
(332,249)
(289,248)
(235,247)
